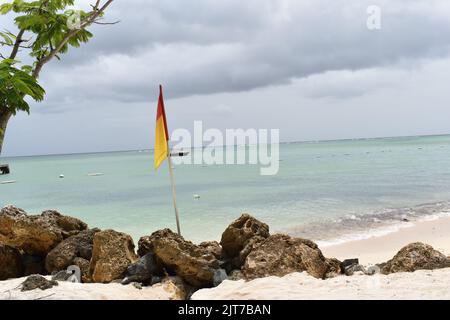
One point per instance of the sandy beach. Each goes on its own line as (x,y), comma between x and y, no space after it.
(382,248)
(421,285)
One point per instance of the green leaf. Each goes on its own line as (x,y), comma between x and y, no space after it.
(6,8)
(7,39)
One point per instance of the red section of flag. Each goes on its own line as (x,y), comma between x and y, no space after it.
(161,112)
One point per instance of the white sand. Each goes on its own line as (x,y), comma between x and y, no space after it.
(300,286)
(380,249)
(10,290)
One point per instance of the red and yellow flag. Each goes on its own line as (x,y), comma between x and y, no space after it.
(161,133)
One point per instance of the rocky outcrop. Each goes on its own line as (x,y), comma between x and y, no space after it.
(84,265)
(194,264)
(10,262)
(333,267)
(36,234)
(280,255)
(241,237)
(415,256)
(112,253)
(177,287)
(37,282)
(64,254)
(213,247)
(33,264)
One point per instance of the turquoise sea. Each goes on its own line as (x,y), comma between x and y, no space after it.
(325,191)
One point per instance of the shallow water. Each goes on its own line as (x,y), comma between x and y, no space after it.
(323,189)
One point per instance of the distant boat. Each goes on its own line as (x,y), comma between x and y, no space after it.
(61,176)
(8,182)
(196,196)
(95,174)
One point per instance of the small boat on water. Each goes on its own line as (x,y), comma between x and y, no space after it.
(8,182)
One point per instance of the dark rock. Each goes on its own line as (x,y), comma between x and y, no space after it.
(351,269)
(37,281)
(137,285)
(62,275)
(33,264)
(143,270)
(63,255)
(348,263)
(372,270)
(196,265)
(36,234)
(10,262)
(280,255)
(112,253)
(241,237)
(219,276)
(415,256)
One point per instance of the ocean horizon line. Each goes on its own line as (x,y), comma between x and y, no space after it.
(218,146)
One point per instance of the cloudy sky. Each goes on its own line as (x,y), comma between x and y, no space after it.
(311,68)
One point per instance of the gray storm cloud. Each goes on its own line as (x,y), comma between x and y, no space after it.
(204,47)
(213,55)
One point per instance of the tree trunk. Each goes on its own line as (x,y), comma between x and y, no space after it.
(5,115)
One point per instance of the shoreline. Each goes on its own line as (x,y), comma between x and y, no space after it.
(381,248)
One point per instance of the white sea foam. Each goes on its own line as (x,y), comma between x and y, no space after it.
(380,231)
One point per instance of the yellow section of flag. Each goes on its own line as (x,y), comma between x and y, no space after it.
(161,133)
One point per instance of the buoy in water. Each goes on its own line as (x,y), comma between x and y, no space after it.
(196,196)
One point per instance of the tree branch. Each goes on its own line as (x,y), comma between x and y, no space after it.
(106,23)
(17,44)
(85,23)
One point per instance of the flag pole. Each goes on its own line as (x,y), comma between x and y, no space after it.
(174,196)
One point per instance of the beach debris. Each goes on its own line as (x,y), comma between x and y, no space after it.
(415,256)
(8,181)
(36,234)
(137,285)
(37,281)
(279,255)
(240,237)
(112,253)
(143,270)
(194,264)
(64,254)
(196,196)
(61,176)
(10,262)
